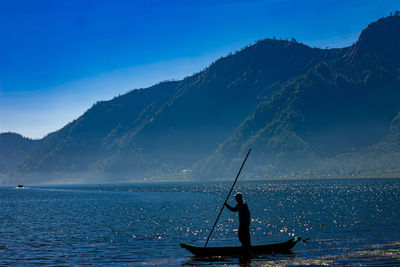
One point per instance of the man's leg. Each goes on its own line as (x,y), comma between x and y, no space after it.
(244,236)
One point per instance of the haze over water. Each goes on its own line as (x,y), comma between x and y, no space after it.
(349,222)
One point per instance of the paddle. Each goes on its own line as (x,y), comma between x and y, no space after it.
(227,197)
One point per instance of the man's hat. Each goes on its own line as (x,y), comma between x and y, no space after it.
(238,194)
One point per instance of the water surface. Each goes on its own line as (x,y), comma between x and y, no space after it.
(349,222)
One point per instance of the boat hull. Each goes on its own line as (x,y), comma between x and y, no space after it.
(276,248)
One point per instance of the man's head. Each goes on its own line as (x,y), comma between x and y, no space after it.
(239,197)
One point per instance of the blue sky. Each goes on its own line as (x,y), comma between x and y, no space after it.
(59,57)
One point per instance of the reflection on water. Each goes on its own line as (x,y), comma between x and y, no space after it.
(348,222)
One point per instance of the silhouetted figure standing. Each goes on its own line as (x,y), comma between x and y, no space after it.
(244,220)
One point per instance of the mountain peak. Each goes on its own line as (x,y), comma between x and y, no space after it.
(380,39)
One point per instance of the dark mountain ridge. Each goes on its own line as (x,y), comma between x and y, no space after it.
(301,109)
(14,148)
(380,40)
(336,108)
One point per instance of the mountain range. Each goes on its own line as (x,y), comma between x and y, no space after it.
(305,112)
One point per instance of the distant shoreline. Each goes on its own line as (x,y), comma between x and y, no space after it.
(222,180)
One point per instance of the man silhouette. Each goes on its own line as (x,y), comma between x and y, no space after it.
(244,220)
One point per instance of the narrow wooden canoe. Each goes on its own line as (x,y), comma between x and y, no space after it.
(276,248)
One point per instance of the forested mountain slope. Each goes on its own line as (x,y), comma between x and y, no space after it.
(304,111)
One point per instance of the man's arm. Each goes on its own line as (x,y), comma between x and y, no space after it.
(232,208)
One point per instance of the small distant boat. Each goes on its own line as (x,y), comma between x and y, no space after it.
(276,248)
(20,186)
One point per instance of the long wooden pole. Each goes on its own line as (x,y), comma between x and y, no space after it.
(227,197)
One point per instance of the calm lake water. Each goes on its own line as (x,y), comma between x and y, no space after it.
(349,222)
